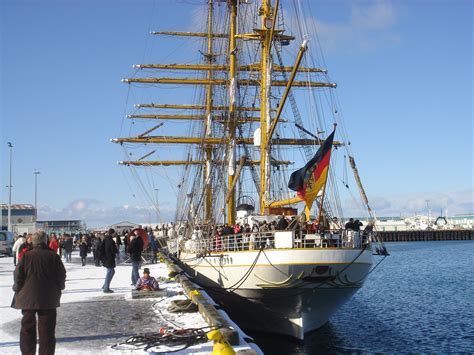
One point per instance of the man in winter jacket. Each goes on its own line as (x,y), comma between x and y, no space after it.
(83,248)
(108,252)
(68,244)
(96,249)
(38,280)
(135,249)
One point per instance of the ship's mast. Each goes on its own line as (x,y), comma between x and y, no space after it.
(266,81)
(208,121)
(233,89)
(235,115)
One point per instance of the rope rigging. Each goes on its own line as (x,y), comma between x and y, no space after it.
(310,120)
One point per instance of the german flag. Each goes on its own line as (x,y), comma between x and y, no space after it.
(309,180)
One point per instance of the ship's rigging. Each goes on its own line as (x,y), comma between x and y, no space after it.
(239,114)
(234,139)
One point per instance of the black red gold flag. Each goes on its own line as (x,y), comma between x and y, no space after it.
(309,180)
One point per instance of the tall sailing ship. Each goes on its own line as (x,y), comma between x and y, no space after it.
(254,149)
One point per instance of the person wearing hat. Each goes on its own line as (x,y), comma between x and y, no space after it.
(38,280)
(147,282)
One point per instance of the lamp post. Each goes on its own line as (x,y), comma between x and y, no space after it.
(10,190)
(36,173)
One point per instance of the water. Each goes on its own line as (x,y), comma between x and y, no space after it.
(419,299)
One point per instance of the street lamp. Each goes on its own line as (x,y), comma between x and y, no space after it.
(36,173)
(10,190)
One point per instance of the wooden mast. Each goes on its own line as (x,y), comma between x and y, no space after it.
(265,84)
(229,116)
(233,96)
(208,119)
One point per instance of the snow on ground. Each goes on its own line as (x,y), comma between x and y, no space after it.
(90,321)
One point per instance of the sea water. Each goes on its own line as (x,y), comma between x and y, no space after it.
(419,299)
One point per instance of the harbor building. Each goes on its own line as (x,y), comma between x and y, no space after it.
(23,218)
(71,226)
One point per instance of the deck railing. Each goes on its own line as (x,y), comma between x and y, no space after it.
(273,240)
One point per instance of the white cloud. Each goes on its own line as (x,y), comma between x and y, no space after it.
(377,15)
(98,214)
(369,26)
(454,202)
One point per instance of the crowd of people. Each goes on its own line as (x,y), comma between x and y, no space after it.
(258,234)
(86,243)
(106,249)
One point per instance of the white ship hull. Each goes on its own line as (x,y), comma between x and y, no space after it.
(285,291)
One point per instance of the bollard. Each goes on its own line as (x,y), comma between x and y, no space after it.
(221,346)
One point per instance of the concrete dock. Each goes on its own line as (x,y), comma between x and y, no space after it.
(427,235)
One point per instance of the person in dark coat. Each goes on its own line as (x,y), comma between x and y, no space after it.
(350,225)
(96,249)
(83,249)
(282,224)
(126,239)
(153,249)
(67,245)
(38,280)
(108,252)
(135,249)
(357,225)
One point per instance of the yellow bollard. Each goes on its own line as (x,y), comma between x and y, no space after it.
(221,346)
(194,293)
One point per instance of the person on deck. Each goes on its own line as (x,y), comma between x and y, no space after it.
(357,225)
(350,225)
(147,282)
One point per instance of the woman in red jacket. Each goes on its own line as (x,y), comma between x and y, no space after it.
(53,243)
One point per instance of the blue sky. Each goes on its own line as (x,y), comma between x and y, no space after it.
(404,72)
